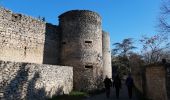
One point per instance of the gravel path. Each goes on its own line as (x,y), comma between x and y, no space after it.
(123,95)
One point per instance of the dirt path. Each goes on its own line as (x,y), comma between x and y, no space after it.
(123,95)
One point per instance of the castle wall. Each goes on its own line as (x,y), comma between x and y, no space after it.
(28,81)
(107,68)
(77,42)
(51,45)
(156,82)
(82,47)
(22,39)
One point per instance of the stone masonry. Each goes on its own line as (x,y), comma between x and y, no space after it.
(106,55)
(156,82)
(77,41)
(21,37)
(33,81)
(82,47)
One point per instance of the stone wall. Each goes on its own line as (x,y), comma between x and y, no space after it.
(156,82)
(168,79)
(153,80)
(33,81)
(26,39)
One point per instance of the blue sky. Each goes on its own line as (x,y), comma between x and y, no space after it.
(121,18)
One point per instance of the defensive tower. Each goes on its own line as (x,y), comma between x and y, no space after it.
(107,69)
(82,47)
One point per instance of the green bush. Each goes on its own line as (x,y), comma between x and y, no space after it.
(74,95)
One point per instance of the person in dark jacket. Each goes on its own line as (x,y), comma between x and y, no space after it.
(129,84)
(117,84)
(108,84)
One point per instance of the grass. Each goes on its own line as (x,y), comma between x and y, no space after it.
(77,95)
(74,95)
(96,92)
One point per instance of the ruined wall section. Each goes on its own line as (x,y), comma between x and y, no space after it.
(29,81)
(156,81)
(26,39)
(107,68)
(82,47)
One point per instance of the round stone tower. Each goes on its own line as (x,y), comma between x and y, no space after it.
(81,47)
(107,68)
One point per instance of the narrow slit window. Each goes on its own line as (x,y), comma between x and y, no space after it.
(88,66)
(63,42)
(25,50)
(88,41)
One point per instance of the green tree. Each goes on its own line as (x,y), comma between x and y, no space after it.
(120,55)
(123,48)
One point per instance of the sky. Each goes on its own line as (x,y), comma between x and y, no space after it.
(121,18)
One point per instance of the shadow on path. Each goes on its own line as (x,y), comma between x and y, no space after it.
(123,95)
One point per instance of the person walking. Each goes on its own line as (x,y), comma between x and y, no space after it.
(108,84)
(129,84)
(117,84)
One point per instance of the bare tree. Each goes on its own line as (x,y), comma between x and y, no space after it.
(159,47)
(164,23)
(154,48)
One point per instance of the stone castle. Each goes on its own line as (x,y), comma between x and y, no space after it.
(78,41)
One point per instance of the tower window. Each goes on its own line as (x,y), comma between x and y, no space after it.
(88,66)
(63,42)
(88,41)
(25,49)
